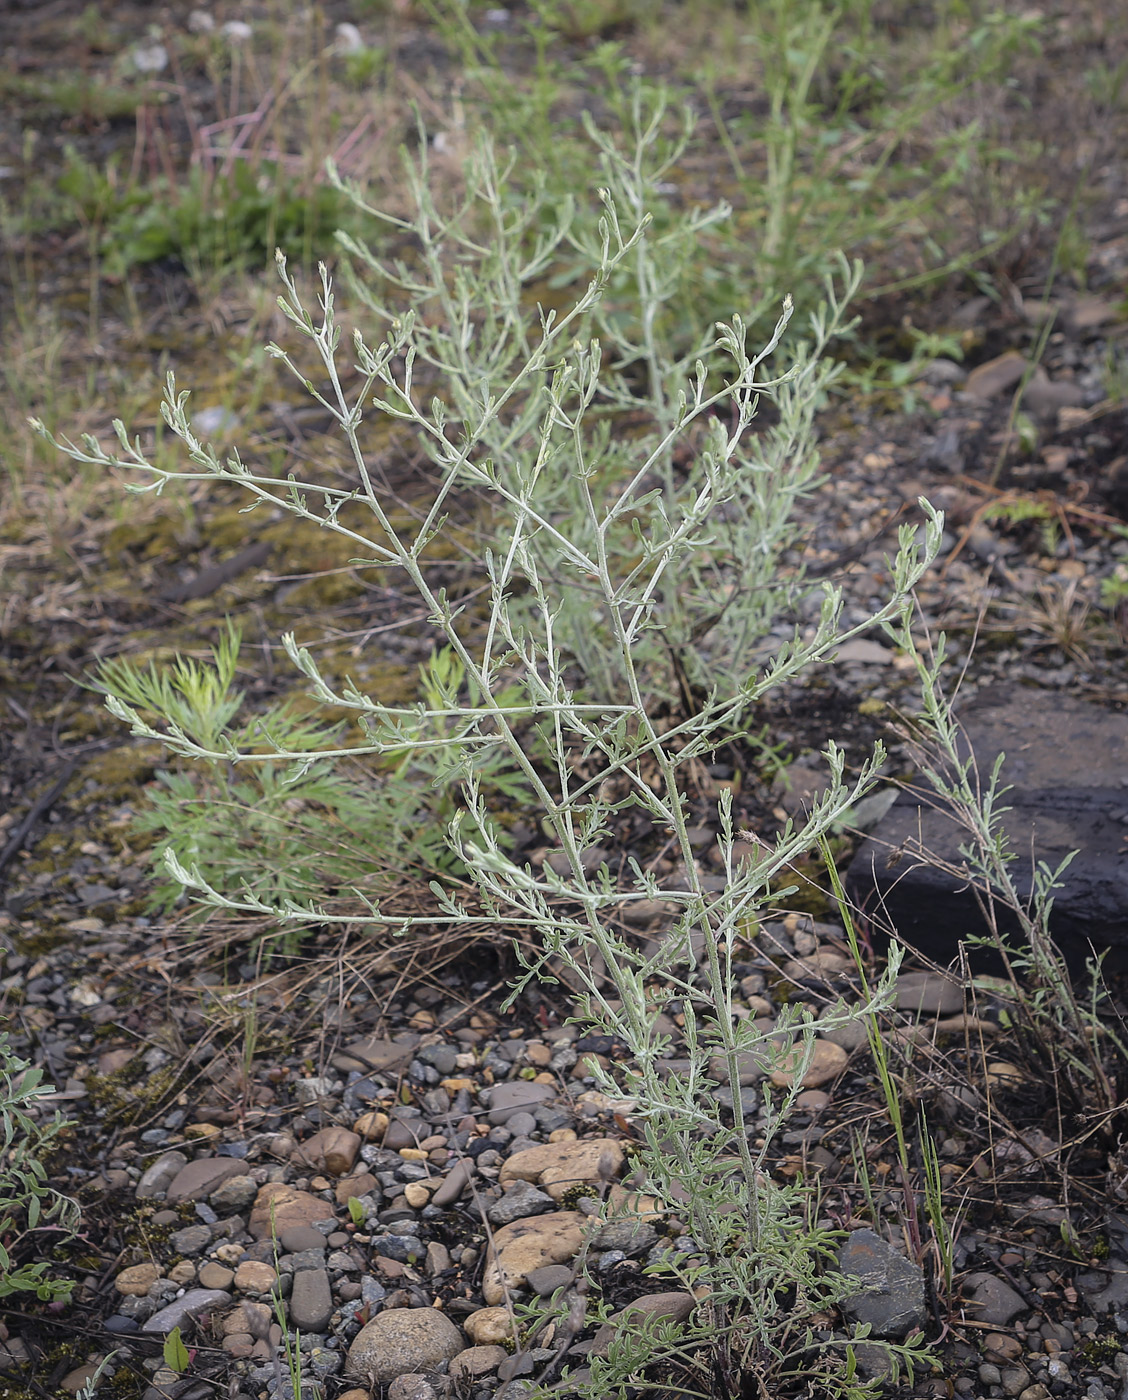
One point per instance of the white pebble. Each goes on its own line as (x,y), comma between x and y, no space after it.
(348,39)
(150,58)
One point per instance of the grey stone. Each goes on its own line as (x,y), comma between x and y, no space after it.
(299,1238)
(399,1342)
(1044,396)
(993,1300)
(235,1195)
(156,1178)
(874,1362)
(454,1183)
(412,1387)
(521,1124)
(626,1236)
(516,1095)
(851,1036)
(546,1280)
(187,1308)
(377,1056)
(1105,1290)
(192,1240)
(303,1259)
(521,1199)
(891,1294)
(200,1178)
(666,1307)
(1067,766)
(928,994)
(311,1300)
(444,1058)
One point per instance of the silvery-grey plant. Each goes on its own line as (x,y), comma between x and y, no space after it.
(591,538)
(1051,1016)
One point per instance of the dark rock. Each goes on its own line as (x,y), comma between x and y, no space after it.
(1105,1290)
(157,1177)
(120,1326)
(1067,766)
(891,1297)
(311,1300)
(192,1240)
(992,1300)
(521,1199)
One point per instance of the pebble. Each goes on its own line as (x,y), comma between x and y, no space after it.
(493,1326)
(827,1061)
(158,1177)
(186,1308)
(277,1207)
(397,1342)
(992,1299)
(255,1277)
(530,1244)
(310,1304)
(218,1276)
(136,1281)
(514,1096)
(197,1180)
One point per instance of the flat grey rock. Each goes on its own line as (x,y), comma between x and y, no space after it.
(200,1178)
(515,1095)
(992,1300)
(188,1308)
(1067,767)
(159,1175)
(311,1300)
(890,1295)
(520,1200)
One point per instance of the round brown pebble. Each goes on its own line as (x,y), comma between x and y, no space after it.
(136,1281)
(827,1062)
(253,1277)
(214,1275)
(999,1347)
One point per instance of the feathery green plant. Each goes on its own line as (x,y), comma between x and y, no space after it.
(28,1205)
(594,533)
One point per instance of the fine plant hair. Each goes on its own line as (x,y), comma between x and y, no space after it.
(639,536)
